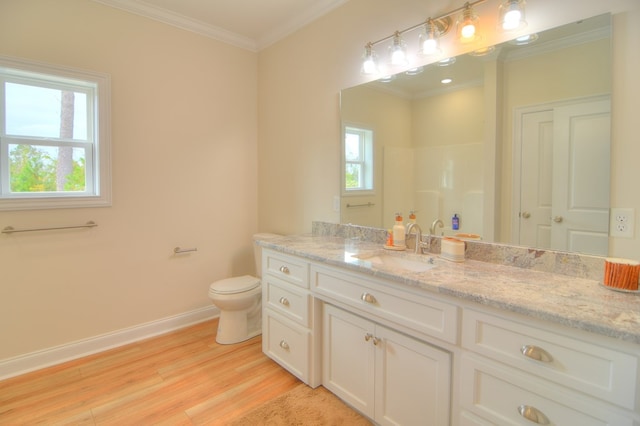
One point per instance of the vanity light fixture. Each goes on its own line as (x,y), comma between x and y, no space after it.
(512,16)
(398,51)
(468,23)
(369,60)
(414,71)
(526,39)
(446,62)
(483,51)
(430,36)
(433,29)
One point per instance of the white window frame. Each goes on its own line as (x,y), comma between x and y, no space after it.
(97,87)
(367,161)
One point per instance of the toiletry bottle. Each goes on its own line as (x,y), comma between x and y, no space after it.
(389,238)
(412,218)
(398,232)
(455,222)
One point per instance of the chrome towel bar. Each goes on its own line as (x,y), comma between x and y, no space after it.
(369,204)
(179,250)
(12,230)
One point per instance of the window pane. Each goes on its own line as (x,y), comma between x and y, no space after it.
(37,111)
(34,168)
(352,176)
(351,147)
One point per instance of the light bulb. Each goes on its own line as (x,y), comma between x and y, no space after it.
(512,15)
(468,30)
(468,25)
(369,61)
(398,51)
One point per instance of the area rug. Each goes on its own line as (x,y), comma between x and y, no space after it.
(304,406)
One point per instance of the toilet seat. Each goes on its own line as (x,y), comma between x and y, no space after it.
(235,285)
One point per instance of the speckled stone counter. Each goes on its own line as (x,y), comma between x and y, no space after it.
(573,301)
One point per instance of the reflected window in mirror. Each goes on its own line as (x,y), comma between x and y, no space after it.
(358,160)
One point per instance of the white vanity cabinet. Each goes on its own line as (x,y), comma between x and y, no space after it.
(390,377)
(290,316)
(519,373)
(403,355)
(378,351)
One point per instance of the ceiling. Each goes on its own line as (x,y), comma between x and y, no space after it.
(249,24)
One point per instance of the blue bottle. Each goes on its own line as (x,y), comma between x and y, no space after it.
(455,222)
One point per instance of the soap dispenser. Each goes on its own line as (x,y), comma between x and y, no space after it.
(455,222)
(398,232)
(412,217)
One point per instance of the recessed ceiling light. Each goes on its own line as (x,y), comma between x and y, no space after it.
(446,81)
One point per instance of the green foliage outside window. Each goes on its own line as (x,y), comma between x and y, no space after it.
(34,170)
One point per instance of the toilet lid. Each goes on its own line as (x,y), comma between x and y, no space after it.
(235,285)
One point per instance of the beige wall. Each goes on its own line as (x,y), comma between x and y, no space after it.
(184,114)
(184,132)
(299,122)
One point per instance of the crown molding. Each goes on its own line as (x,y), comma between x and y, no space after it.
(319,9)
(182,22)
(141,8)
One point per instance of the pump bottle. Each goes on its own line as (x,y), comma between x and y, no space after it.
(398,232)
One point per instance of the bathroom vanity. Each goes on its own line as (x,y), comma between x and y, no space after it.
(415,339)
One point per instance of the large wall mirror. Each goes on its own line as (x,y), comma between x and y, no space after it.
(516,144)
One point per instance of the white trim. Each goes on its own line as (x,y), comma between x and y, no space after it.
(47,357)
(217,33)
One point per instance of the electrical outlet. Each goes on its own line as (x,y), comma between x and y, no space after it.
(621,223)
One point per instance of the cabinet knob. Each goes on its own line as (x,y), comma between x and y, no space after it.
(284,345)
(534,352)
(558,219)
(284,269)
(370,336)
(369,298)
(283,300)
(533,414)
(525,215)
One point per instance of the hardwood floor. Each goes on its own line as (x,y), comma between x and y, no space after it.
(180,378)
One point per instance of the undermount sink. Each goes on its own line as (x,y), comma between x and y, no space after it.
(396,261)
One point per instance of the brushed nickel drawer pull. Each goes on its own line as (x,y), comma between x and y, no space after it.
(533,414)
(284,345)
(536,353)
(369,298)
(283,300)
(284,269)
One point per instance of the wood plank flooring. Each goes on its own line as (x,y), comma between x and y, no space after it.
(180,378)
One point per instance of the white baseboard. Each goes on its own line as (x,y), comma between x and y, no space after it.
(47,357)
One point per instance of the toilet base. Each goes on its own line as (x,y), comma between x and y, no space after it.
(236,327)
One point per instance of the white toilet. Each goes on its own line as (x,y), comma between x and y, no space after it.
(240,302)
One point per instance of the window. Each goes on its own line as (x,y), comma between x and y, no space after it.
(54,137)
(358,159)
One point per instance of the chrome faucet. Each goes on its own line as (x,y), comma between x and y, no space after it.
(432,230)
(420,245)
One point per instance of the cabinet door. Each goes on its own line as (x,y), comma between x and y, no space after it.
(412,381)
(348,358)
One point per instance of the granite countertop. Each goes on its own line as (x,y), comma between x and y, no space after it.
(575,302)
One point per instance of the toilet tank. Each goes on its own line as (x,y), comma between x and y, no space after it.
(257,250)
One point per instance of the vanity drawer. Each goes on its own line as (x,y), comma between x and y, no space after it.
(288,268)
(585,367)
(503,395)
(287,344)
(420,313)
(288,300)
